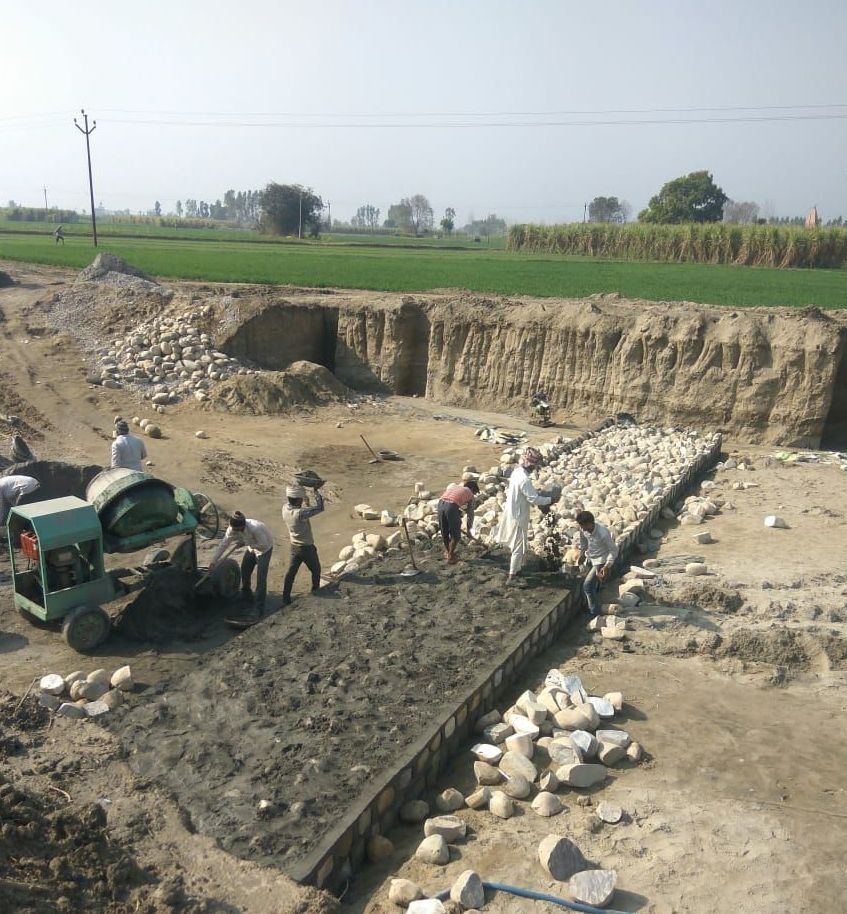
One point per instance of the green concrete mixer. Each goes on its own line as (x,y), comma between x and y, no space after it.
(57,548)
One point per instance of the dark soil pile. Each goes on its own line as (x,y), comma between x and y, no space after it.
(306,708)
(57,478)
(303,385)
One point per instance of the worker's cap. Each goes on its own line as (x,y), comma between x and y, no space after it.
(122,428)
(238,521)
(295,492)
(531,457)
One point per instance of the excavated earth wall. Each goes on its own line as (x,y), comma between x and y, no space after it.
(774,375)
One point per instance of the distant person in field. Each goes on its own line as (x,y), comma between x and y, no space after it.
(457,496)
(127,450)
(59,235)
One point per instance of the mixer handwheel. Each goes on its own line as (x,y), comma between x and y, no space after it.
(208,519)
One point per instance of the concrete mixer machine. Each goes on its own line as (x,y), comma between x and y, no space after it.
(57,548)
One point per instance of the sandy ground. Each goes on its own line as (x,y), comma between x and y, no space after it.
(735,682)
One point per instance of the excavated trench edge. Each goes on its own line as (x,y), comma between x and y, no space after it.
(375,811)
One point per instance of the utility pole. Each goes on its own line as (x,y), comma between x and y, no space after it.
(87,133)
(585,212)
(300,219)
(45,203)
(329,216)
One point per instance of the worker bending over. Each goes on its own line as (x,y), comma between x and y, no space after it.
(12,490)
(259,545)
(595,542)
(127,450)
(455,498)
(297,517)
(513,530)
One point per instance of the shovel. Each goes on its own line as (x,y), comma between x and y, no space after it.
(376,457)
(414,570)
(226,554)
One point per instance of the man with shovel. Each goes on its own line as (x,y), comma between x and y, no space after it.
(457,496)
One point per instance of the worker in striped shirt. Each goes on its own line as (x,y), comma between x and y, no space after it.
(455,498)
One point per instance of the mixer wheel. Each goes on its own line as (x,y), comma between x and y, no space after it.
(226,579)
(208,519)
(85,627)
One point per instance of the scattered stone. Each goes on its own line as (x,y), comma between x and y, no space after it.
(487,720)
(449,800)
(98,676)
(433,849)
(582,775)
(615,699)
(52,683)
(501,805)
(695,568)
(547,804)
(522,724)
(614,633)
(379,848)
(704,538)
(604,708)
(513,763)
(68,709)
(563,752)
(414,811)
(585,742)
(610,753)
(517,786)
(96,708)
(90,691)
(560,857)
(634,752)
(403,892)
(548,781)
(487,752)
(153,431)
(467,890)
(71,678)
(487,775)
(593,887)
(122,679)
(451,828)
(521,744)
(617,737)
(50,701)
(479,798)
(200,434)
(774,520)
(427,906)
(608,812)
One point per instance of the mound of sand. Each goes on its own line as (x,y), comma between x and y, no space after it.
(105,264)
(302,385)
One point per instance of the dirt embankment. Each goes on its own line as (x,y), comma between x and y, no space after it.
(765,374)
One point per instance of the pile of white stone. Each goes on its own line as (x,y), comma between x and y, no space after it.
(80,696)
(619,475)
(169,358)
(543,746)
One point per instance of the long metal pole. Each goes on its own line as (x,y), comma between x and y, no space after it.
(88,133)
(45,203)
(300,220)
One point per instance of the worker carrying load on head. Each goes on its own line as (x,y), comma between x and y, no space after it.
(259,545)
(457,496)
(297,514)
(513,530)
(595,542)
(12,490)
(127,450)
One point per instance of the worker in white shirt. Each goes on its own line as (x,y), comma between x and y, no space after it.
(595,543)
(12,490)
(258,543)
(127,450)
(513,530)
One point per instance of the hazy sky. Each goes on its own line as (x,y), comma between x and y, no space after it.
(378,81)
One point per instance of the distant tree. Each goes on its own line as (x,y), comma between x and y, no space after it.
(400,215)
(739,213)
(448,223)
(179,208)
(157,208)
(367,217)
(191,209)
(203,207)
(606,209)
(422,215)
(281,209)
(691,198)
(389,224)
(12,205)
(491,225)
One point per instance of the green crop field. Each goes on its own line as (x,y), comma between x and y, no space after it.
(391,268)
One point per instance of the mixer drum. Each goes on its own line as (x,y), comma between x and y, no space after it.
(129,503)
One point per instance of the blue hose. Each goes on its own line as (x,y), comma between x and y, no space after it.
(539,896)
